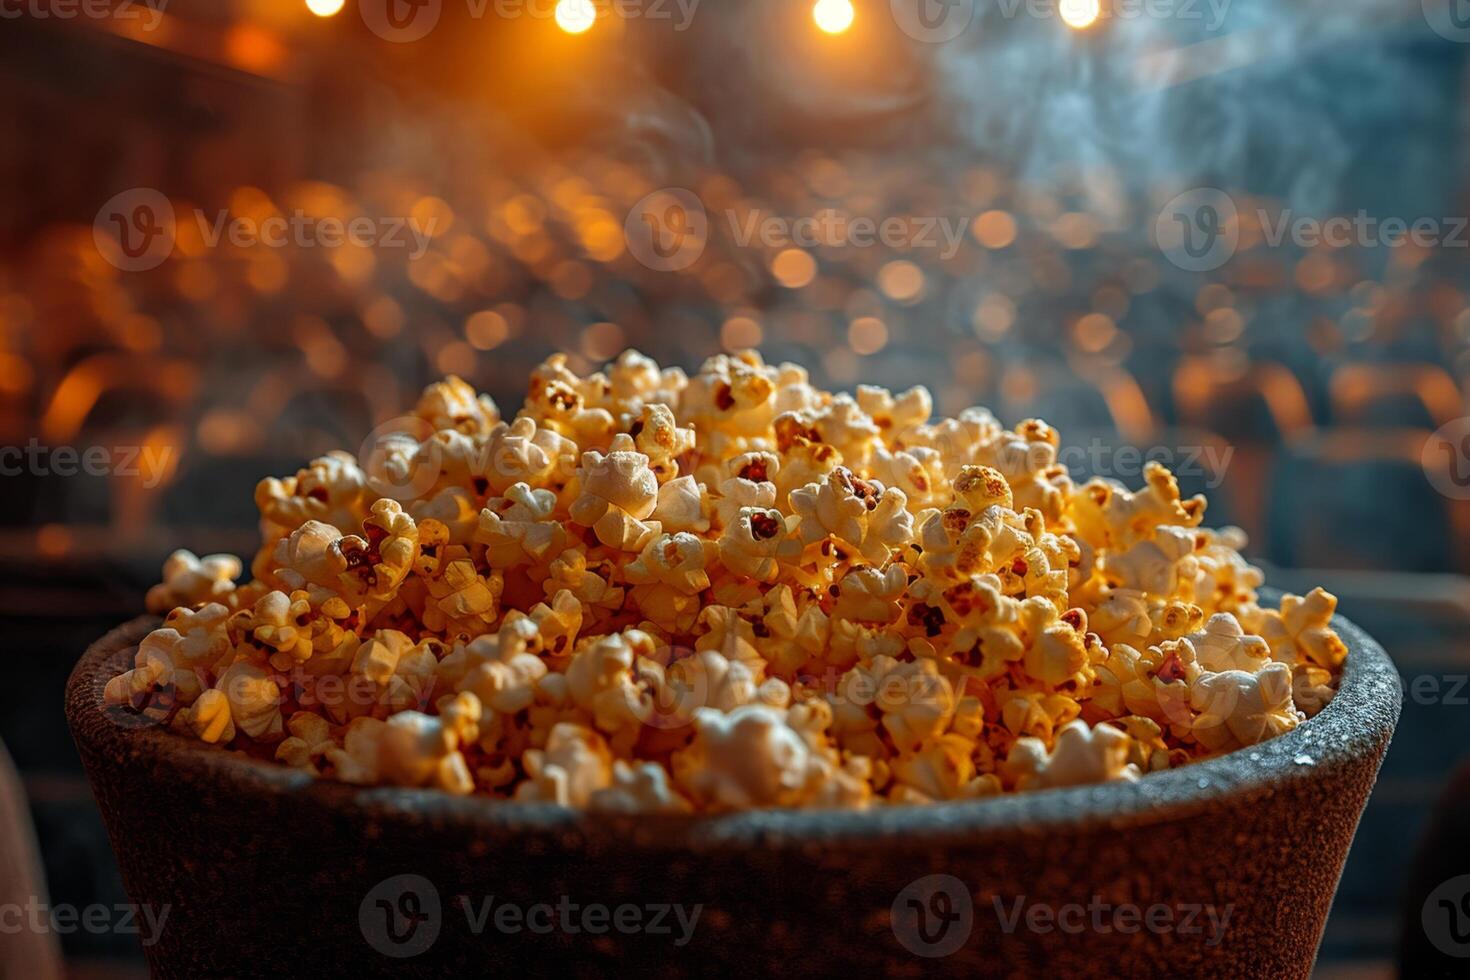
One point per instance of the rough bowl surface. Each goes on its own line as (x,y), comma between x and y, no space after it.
(267,871)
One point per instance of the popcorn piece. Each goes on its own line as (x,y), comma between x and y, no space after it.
(641,788)
(254,700)
(619,492)
(756,543)
(189,580)
(872,520)
(749,757)
(1223,645)
(1301,632)
(453,404)
(1082,755)
(421,750)
(1237,708)
(681,506)
(574,765)
(332,490)
(520,528)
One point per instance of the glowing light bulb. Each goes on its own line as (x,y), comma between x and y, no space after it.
(325,8)
(575,16)
(833,16)
(1080,14)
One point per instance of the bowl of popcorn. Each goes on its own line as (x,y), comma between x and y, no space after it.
(724,671)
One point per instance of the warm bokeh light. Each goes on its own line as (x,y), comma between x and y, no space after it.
(794,268)
(325,8)
(833,16)
(575,16)
(1080,14)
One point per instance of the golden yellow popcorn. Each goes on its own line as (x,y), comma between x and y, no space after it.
(652,592)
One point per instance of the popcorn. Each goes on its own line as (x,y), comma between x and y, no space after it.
(453,404)
(1082,755)
(748,757)
(1223,645)
(254,700)
(873,520)
(641,788)
(1300,631)
(416,749)
(1237,708)
(210,718)
(332,490)
(619,492)
(755,543)
(575,765)
(189,580)
(650,592)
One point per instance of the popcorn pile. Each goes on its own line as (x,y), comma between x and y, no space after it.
(656,593)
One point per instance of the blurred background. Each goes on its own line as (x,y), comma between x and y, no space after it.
(1117,215)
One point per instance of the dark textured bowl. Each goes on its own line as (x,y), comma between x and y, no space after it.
(267,871)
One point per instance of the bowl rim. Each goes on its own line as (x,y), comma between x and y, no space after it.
(1358,722)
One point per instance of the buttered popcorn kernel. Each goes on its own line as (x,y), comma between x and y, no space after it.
(655,593)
